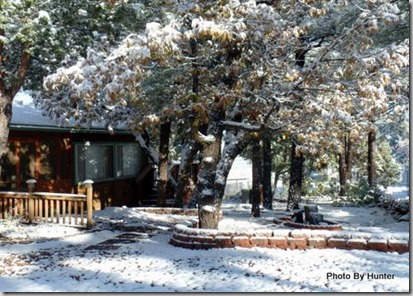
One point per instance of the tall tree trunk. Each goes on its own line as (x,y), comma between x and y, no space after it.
(208,206)
(193,44)
(345,161)
(342,173)
(5,117)
(256,176)
(144,142)
(266,171)
(184,189)
(349,158)
(296,178)
(235,143)
(186,184)
(165,130)
(276,178)
(371,169)
(7,93)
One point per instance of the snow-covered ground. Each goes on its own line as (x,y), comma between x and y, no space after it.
(56,258)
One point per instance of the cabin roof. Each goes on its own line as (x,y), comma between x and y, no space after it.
(27,117)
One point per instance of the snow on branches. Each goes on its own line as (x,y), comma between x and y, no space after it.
(324,60)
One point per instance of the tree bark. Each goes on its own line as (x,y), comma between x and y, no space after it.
(146,146)
(276,178)
(184,189)
(234,143)
(266,171)
(7,94)
(296,177)
(256,176)
(211,153)
(349,159)
(5,117)
(165,130)
(345,161)
(371,169)
(342,173)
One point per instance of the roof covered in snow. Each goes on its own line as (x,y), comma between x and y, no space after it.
(27,117)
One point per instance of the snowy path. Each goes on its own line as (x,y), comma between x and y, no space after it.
(68,263)
(152,265)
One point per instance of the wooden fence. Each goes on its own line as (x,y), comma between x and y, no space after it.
(62,208)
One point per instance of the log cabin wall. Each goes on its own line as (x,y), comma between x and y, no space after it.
(49,157)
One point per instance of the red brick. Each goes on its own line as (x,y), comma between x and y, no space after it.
(182,237)
(259,241)
(339,243)
(377,245)
(399,246)
(181,244)
(297,243)
(224,241)
(278,242)
(242,241)
(203,239)
(317,242)
(357,243)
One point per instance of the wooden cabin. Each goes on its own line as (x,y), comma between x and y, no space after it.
(61,157)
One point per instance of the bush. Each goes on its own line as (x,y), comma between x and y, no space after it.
(359,193)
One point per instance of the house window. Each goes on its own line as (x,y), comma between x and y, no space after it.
(106,161)
(127,160)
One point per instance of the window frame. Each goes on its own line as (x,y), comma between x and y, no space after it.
(115,160)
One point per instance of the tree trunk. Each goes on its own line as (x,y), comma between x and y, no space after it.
(349,158)
(342,173)
(235,143)
(276,178)
(296,178)
(211,153)
(146,146)
(256,176)
(186,185)
(266,171)
(204,191)
(371,170)
(184,189)
(345,161)
(5,117)
(165,130)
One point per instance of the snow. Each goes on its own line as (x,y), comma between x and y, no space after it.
(57,258)
(397,192)
(26,114)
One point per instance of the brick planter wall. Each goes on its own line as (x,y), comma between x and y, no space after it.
(289,223)
(186,236)
(170,211)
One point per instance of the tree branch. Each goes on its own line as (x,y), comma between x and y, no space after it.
(21,72)
(253,128)
(152,153)
(2,86)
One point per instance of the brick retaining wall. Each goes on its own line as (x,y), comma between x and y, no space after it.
(186,236)
(170,211)
(289,223)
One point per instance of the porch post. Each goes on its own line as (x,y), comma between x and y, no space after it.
(89,200)
(31,184)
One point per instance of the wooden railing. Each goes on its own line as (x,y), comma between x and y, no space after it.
(62,208)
